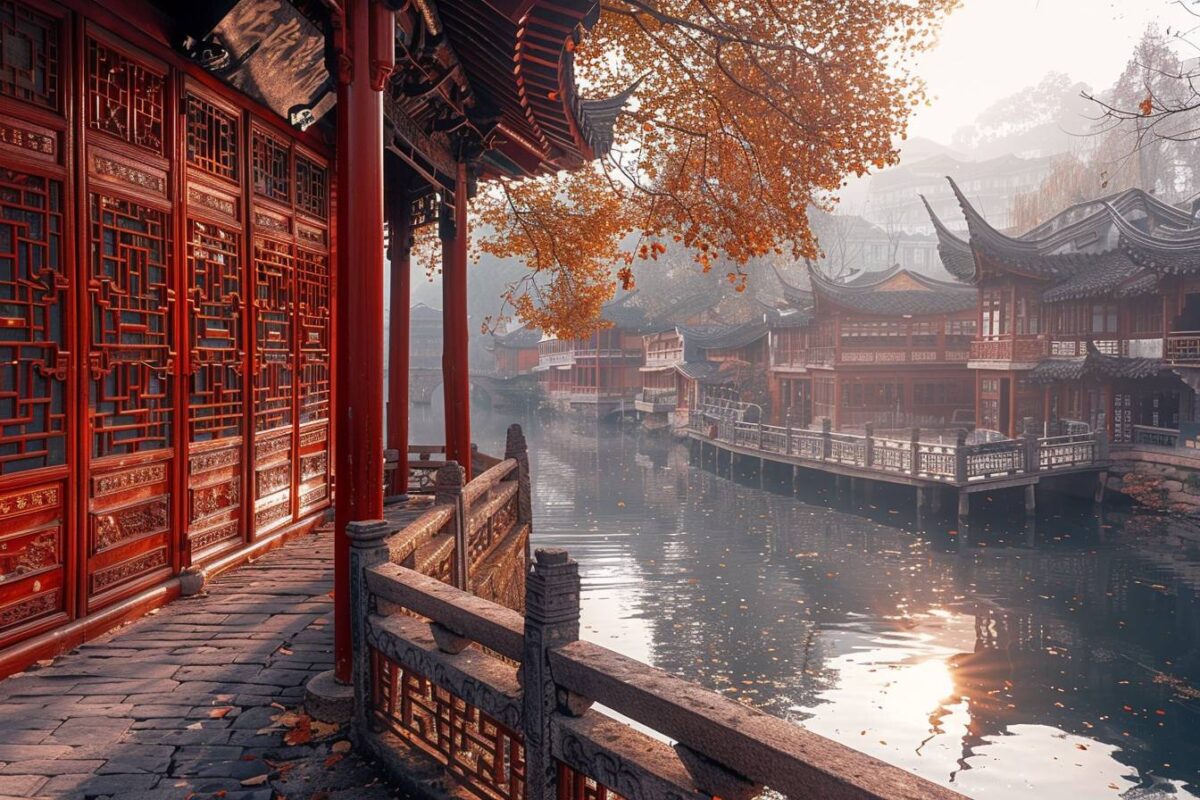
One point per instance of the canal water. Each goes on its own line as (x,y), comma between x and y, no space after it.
(1010,660)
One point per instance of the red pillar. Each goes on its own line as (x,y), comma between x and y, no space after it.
(359,444)
(455,375)
(400,223)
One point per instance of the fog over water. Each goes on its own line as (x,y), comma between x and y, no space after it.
(1052,660)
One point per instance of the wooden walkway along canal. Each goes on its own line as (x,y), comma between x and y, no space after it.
(931,464)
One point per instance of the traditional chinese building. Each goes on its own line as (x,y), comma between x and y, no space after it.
(424,337)
(516,352)
(185,291)
(600,376)
(888,348)
(1073,315)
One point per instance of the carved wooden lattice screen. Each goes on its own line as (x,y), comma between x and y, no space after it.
(164,342)
(313,295)
(274,380)
(215,365)
(37,384)
(130,303)
(33,400)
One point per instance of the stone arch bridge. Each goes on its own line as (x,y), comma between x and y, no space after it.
(493,390)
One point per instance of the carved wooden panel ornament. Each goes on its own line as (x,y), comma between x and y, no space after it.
(33,316)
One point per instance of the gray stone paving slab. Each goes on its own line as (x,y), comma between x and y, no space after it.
(21,785)
(188,702)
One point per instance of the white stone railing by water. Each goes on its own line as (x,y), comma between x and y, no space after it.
(954,462)
(1156,437)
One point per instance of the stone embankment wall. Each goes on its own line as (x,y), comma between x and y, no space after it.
(1157,478)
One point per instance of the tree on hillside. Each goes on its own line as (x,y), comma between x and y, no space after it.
(1042,117)
(1136,144)
(747,113)
(1071,180)
(1149,122)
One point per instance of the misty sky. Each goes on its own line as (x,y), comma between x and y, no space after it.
(992,48)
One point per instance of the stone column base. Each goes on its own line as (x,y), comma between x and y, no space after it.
(328,700)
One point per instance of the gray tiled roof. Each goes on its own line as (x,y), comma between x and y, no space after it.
(711,337)
(520,338)
(935,297)
(1175,252)
(1094,364)
(1051,251)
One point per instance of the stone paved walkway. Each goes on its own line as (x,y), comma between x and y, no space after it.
(198,700)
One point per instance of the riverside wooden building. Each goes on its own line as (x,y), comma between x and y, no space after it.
(600,376)
(888,348)
(191,313)
(1090,316)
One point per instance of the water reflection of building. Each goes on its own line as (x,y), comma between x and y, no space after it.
(791,606)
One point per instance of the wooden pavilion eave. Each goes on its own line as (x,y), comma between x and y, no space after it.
(992,268)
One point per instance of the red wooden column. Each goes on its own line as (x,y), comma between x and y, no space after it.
(455,371)
(399,213)
(359,347)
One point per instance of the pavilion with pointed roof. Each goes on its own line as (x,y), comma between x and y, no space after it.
(1085,316)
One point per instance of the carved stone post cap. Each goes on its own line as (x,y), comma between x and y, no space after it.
(367,533)
(551,556)
(961,436)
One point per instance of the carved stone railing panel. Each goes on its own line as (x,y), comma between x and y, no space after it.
(427,678)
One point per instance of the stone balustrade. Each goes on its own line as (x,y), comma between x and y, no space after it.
(954,462)
(449,685)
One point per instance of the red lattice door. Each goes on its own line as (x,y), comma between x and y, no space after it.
(274,262)
(313,278)
(216,354)
(130,341)
(36,382)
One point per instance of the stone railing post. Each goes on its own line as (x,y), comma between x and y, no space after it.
(368,548)
(826,438)
(1033,451)
(960,456)
(448,488)
(516,448)
(914,450)
(551,620)
(869,445)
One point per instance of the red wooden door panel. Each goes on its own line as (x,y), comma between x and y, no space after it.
(37,382)
(130,340)
(274,381)
(34,372)
(313,289)
(216,305)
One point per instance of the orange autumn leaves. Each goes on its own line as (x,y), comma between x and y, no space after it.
(748,113)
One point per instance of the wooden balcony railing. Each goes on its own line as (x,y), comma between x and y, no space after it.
(1183,347)
(1012,350)
(511,717)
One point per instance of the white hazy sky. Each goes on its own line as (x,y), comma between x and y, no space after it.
(992,48)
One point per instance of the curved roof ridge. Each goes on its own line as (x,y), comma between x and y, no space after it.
(882,276)
(957,256)
(598,116)
(1175,254)
(988,235)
